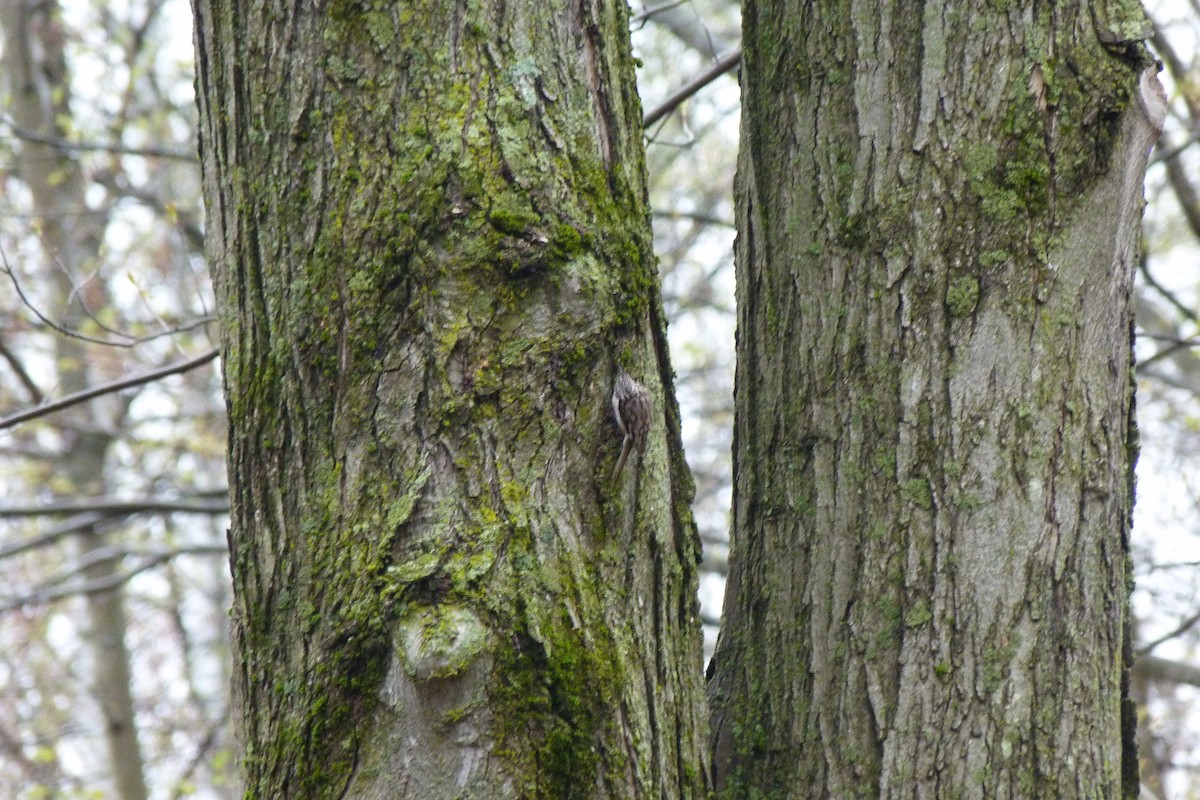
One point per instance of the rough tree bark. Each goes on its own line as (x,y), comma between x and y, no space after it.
(939,217)
(431,246)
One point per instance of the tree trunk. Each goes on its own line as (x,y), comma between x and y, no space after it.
(431,246)
(939,217)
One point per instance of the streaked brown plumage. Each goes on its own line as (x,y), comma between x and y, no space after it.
(633,408)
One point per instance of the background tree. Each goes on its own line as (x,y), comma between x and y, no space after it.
(129,128)
(933,448)
(84,306)
(40,103)
(431,247)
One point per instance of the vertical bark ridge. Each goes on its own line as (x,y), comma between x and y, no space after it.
(432,246)
(933,405)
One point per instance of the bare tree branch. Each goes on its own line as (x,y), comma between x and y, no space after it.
(1181,628)
(109,506)
(698,218)
(187,224)
(103,147)
(203,750)
(35,393)
(150,560)
(1162,153)
(1166,294)
(719,68)
(1163,669)
(115,553)
(125,341)
(107,388)
(88,513)
(1177,172)
(682,20)
(77,524)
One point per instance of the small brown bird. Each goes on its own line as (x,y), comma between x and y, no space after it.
(632,407)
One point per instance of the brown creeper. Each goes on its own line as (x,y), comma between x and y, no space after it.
(632,407)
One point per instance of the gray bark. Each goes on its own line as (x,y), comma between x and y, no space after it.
(939,219)
(431,247)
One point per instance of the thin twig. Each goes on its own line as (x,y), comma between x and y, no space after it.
(108,583)
(126,339)
(1166,294)
(1181,628)
(77,524)
(102,555)
(200,758)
